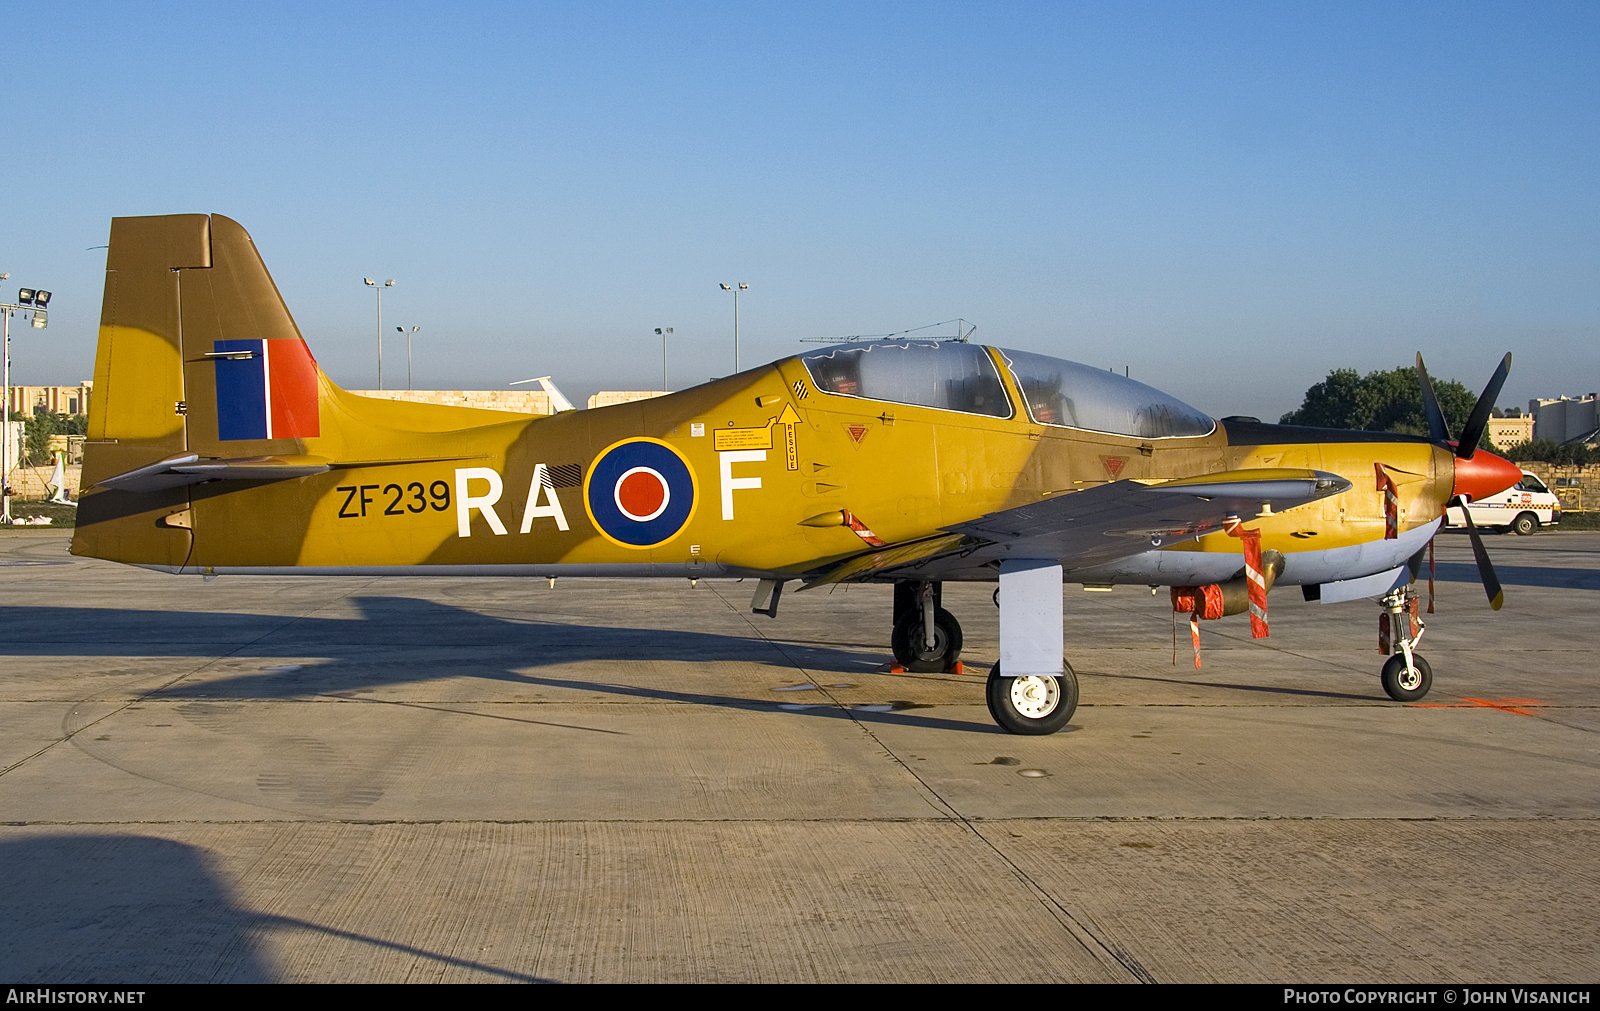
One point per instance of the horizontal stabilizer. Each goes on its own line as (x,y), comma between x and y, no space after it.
(191,468)
(177,471)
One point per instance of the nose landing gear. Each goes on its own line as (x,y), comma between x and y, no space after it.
(1406,676)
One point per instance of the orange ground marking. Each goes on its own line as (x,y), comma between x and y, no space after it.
(1504,705)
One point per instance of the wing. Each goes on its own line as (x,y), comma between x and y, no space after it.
(1094,526)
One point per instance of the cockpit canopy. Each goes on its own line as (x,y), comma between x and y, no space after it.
(1076,396)
(947,375)
(951,376)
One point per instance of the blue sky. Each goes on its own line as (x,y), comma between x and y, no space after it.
(1231,199)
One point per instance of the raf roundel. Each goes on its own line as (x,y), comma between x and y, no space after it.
(640,493)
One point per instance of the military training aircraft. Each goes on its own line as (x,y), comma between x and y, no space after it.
(217,446)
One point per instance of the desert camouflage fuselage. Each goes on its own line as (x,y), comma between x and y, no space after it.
(779,477)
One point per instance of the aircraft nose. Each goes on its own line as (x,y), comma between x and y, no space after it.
(1483,474)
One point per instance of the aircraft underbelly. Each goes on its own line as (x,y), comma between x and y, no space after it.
(1300,567)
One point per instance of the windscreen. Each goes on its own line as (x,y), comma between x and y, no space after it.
(947,375)
(1070,395)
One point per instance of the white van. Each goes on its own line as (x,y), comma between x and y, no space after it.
(1523,508)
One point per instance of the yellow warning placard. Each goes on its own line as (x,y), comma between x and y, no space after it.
(743,438)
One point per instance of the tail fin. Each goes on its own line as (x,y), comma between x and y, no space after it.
(137,416)
(190,313)
(200,359)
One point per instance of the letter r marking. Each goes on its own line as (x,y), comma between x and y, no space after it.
(465,503)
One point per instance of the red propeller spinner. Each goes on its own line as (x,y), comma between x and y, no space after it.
(1483,474)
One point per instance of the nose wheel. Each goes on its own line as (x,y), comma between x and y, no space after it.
(1407,683)
(1406,676)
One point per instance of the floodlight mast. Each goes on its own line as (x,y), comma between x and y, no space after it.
(735,288)
(664,332)
(28,300)
(408,334)
(375,286)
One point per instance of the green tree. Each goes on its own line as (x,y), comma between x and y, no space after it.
(37,430)
(1383,401)
(1550,451)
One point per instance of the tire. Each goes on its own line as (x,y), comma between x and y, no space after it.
(1401,687)
(906,642)
(1525,524)
(1033,705)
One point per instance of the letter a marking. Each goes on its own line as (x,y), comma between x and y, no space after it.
(542,485)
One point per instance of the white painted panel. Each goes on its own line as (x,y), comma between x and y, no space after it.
(1030,617)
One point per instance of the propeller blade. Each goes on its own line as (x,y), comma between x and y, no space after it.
(1491,582)
(1438,427)
(1473,431)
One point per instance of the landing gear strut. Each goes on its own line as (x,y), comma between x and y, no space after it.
(926,637)
(1406,676)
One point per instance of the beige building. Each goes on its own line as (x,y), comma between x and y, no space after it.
(13,436)
(610,398)
(515,401)
(26,400)
(1566,419)
(1508,432)
(30,482)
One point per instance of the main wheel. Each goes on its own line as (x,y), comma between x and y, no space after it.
(1407,685)
(1033,704)
(1525,523)
(914,654)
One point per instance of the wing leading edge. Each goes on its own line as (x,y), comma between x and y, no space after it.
(1095,526)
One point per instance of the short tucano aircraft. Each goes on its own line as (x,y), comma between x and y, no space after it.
(217,446)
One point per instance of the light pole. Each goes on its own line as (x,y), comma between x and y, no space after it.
(375,286)
(664,331)
(408,351)
(28,299)
(741,286)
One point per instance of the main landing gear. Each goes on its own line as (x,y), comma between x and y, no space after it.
(1406,676)
(926,637)
(1034,704)
(1038,700)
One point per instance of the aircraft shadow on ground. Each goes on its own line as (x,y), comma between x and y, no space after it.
(1521,575)
(412,642)
(127,909)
